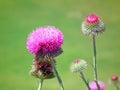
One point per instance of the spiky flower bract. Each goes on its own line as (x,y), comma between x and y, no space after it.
(92,25)
(78,65)
(45,40)
(93,85)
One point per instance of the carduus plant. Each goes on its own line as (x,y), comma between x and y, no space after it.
(93,25)
(78,66)
(45,44)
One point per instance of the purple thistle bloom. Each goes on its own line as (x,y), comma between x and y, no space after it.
(93,85)
(44,40)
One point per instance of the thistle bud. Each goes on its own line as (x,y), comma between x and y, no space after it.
(114,80)
(92,25)
(78,65)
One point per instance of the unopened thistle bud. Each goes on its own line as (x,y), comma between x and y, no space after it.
(92,25)
(78,65)
(115,80)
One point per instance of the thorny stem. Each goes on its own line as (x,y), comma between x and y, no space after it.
(57,75)
(95,63)
(40,84)
(85,81)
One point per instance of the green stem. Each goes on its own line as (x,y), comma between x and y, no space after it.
(85,81)
(117,87)
(57,75)
(95,63)
(40,84)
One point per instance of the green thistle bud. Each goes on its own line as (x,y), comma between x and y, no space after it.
(78,65)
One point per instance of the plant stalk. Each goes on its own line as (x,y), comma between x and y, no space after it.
(57,75)
(40,84)
(95,63)
(117,87)
(85,81)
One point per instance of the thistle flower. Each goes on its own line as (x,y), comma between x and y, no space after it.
(45,41)
(78,65)
(93,85)
(92,25)
(42,69)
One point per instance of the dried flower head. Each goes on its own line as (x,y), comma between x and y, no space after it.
(45,40)
(78,65)
(92,25)
(93,85)
(42,69)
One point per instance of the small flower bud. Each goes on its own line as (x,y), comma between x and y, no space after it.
(114,80)
(92,25)
(78,65)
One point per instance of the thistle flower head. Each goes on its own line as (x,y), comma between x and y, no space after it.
(92,19)
(92,25)
(93,85)
(44,40)
(78,65)
(42,69)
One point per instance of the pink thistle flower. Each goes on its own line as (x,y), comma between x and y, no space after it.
(92,19)
(44,40)
(93,85)
(92,25)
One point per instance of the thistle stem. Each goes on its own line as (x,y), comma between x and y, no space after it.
(40,84)
(85,81)
(95,63)
(117,87)
(57,75)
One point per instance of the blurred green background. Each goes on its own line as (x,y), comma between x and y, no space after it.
(19,17)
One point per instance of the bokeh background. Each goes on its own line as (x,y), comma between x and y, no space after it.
(19,17)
